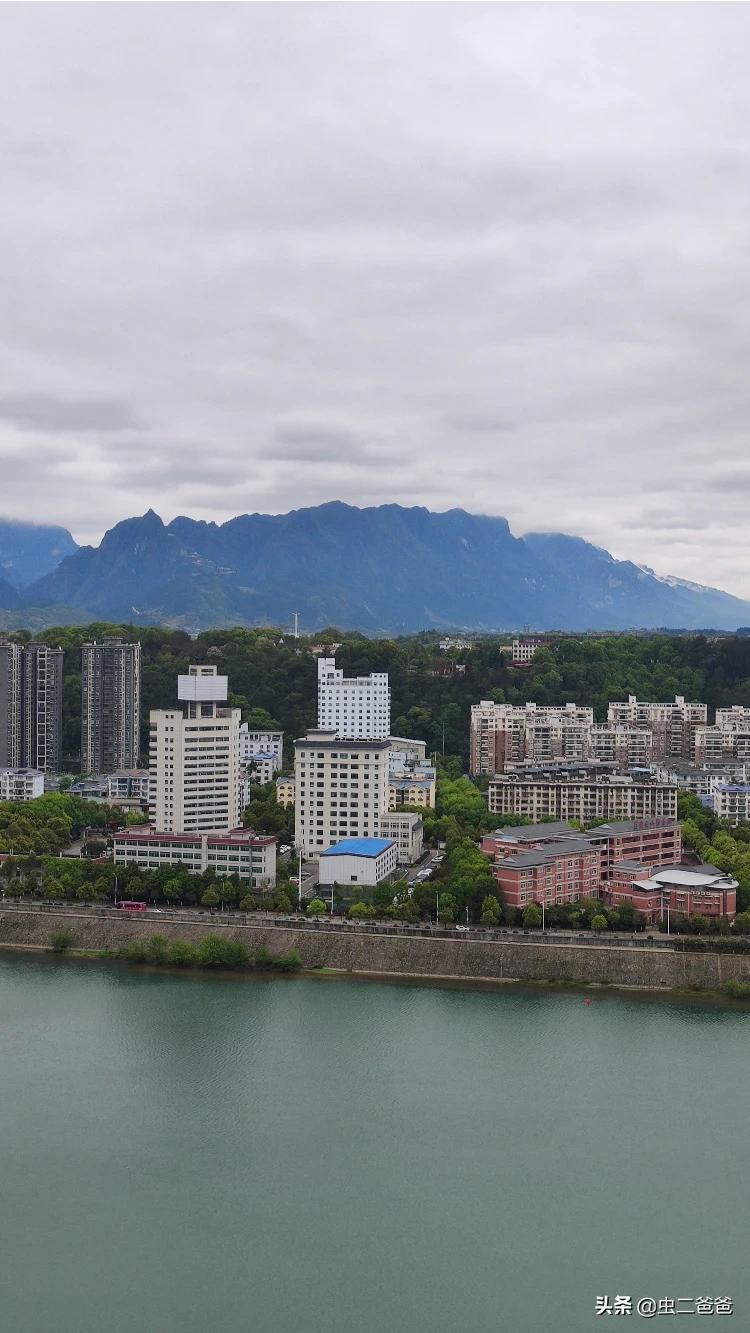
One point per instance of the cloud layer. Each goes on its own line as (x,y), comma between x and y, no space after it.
(253,257)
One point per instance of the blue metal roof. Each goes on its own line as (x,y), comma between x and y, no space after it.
(358,847)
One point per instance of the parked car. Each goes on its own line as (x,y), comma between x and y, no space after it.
(284,850)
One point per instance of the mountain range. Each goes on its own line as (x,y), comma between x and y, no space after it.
(384,570)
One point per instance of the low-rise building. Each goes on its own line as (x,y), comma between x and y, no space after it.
(358,861)
(261,744)
(21,784)
(551,873)
(732,802)
(130,783)
(524,650)
(411,791)
(405,751)
(407,831)
(700,890)
(285,788)
(240,851)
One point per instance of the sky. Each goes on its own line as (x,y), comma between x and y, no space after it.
(254,257)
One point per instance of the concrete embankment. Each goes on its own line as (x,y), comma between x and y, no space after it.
(462,957)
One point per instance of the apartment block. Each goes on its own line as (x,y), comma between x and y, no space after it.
(523,651)
(725,744)
(285,789)
(238,851)
(41,707)
(732,802)
(356,708)
(407,831)
(341,788)
(20,784)
(261,745)
(584,801)
(110,705)
(672,725)
(11,712)
(503,733)
(194,758)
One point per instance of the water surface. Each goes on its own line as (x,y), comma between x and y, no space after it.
(203,1155)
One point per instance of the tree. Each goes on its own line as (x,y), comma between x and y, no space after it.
(447,908)
(247,904)
(531,915)
(598,922)
(60,940)
(316,907)
(361,911)
(210,898)
(490,914)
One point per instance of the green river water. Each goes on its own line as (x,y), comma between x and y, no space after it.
(207,1154)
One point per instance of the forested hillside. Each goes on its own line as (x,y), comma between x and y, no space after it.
(278,675)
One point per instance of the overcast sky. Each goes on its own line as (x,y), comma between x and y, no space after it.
(254,257)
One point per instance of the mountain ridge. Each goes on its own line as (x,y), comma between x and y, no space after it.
(386,569)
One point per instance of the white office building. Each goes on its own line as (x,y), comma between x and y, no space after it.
(357,707)
(239,851)
(194,758)
(341,789)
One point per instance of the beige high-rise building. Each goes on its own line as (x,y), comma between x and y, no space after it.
(341,789)
(194,758)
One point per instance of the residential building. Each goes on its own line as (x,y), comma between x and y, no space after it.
(237,851)
(110,705)
(11,712)
(42,688)
(285,788)
(356,708)
(129,784)
(732,802)
(407,831)
(358,861)
(21,784)
(584,801)
(701,781)
(725,744)
(194,758)
(503,733)
(626,747)
(341,788)
(672,725)
(735,718)
(411,790)
(523,651)
(700,890)
(550,873)
(260,745)
(405,751)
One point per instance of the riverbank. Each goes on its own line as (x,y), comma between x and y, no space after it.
(463,958)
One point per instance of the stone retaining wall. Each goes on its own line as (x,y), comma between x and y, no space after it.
(401,954)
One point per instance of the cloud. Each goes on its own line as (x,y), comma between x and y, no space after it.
(43,413)
(439,255)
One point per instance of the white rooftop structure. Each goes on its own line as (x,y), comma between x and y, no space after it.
(202,685)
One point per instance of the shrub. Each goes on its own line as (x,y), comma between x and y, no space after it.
(318,908)
(60,940)
(247,904)
(263,957)
(183,954)
(360,911)
(738,990)
(288,962)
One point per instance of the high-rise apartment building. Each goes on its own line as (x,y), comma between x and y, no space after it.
(672,725)
(194,758)
(355,707)
(11,714)
(41,707)
(341,789)
(110,706)
(506,733)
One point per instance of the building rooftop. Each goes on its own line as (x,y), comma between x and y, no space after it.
(359,847)
(238,836)
(531,832)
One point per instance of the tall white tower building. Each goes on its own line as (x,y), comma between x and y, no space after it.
(194,758)
(357,708)
(341,789)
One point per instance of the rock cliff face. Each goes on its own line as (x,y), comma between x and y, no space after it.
(386,570)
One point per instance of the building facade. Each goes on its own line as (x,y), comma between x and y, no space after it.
(285,789)
(358,861)
(194,758)
(258,745)
(11,711)
(42,691)
(732,802)
(21,784)
(341,789)
(356,708)
(672,725)
(407,831)
(507,733)
(679,889)
(238,851)
(584,801)
(110,706)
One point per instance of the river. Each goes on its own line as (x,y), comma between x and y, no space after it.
(192,1154)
